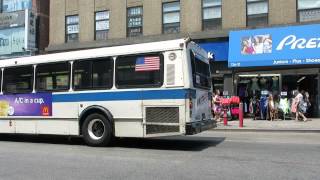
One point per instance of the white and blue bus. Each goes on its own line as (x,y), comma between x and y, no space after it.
(141,90)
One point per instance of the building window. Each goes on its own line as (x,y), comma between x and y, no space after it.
(171,17)
(211,14)
(53,77)
(72,28)
(101,25)
(257,12)
(308,10)
(134,26)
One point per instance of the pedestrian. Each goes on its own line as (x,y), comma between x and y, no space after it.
(300,106)
(271,107)
(216,103)
(306,102)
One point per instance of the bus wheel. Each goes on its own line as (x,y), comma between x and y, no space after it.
(96,130)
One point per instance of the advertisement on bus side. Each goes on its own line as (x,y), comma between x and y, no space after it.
(37,104)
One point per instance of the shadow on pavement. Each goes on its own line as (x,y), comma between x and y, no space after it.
(184,143)
(179,143)
(48,139)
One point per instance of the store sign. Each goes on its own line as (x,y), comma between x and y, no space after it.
(72,29)
(216,50)
(30,30)
(103,15)
(309,15)
(16,5)
(18,33)
(9,20)
(102,25)
(293,45)
(264,93)
(12,40)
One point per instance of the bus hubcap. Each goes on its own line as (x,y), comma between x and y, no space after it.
(96,129)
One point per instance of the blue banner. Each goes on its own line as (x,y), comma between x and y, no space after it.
(293,45)
(217,49)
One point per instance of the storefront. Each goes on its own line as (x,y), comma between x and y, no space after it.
(221,75)
(276,62)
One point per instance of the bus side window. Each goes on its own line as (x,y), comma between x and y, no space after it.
(200,72)
(93,74)
(102,74)
(144,71)
(18,79)
(53,77)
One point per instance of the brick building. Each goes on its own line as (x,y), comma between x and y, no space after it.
(185,17)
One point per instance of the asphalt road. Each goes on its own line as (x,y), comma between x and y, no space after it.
(210,155)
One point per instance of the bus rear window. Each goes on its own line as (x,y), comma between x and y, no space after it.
(18,79)
(200,72)
(139,71)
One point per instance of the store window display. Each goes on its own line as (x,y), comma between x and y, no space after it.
(275,83)
(256,91)
(263,83)
(254,85)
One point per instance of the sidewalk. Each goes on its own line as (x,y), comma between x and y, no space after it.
(278,125)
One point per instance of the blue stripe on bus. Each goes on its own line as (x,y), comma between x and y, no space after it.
(122,95)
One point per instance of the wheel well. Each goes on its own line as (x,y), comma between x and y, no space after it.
(95,110)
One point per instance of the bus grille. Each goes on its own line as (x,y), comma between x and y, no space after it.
(162,120)
(155,129)
(162,115)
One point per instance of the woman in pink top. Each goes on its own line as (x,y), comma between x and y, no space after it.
(216,105)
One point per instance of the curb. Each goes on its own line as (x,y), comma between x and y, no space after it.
(269,130)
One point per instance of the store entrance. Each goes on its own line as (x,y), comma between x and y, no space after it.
(255,88)
(303,83)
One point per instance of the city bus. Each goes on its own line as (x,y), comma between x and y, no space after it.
(141,90)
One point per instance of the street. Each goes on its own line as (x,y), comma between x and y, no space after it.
(209,155)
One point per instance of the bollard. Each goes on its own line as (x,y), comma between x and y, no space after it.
(241,115)
(225,119)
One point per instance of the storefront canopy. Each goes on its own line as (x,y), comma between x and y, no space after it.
(218,50)
(293,45)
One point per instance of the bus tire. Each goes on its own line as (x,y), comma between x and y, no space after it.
(97,130)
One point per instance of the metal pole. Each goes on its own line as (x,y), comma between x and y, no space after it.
(241,115)
(225,119)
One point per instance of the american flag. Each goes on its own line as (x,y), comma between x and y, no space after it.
(151,63)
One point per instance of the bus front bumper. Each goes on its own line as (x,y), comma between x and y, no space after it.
(198,127)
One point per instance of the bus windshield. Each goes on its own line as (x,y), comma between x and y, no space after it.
(200,72)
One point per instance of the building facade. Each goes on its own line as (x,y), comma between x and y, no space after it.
(23,27)
(83,24)
(129,20)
